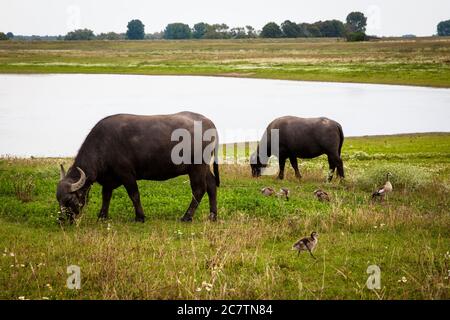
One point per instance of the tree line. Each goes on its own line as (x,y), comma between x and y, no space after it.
(354,29)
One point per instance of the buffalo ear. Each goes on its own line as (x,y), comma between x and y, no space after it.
(62,172)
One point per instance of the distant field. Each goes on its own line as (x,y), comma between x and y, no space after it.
(421,61)
(246,254)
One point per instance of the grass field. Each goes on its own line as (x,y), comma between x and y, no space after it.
(421,61)
(247,253)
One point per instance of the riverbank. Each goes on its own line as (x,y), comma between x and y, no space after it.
(420,61)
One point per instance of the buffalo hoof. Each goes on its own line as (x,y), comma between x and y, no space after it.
(213,217)
(186,219)
(102,218)
(140,219)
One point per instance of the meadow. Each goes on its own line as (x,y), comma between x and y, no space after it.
(420,61)
(247,253)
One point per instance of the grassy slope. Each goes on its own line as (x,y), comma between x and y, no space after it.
(247,253)
(424,61)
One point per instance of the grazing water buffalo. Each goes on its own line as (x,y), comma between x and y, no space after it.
(123,148)
(301,138)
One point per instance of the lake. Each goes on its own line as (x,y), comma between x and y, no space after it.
(50,115)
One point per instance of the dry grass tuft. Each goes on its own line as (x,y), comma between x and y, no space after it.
(23,187)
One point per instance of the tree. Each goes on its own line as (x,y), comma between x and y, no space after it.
(135,30)
(177,31)
(331,28)
(3,36)
(10,35)
(217,31)
(238,33)
(251,33)
(443,28)
(199,30)
(80,34)
(311,30)
(356,22)
(291,29)
(271,30)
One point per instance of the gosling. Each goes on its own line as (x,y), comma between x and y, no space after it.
(321,195)
(307,244)
(384,190)
(267,191)
(284,192)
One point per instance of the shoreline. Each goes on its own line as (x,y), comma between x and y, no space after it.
(230,75)
(250,143)
(419,62)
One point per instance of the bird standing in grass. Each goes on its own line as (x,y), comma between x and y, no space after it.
(307,244)
(321,195)
(284,192)
(384,190)
(267,191)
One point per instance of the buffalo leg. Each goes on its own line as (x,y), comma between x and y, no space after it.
(211,188)
(340,168)
(332,165)
(335,161)
(133,193)
(198,187)
(282,164)
(294,165)
(106,198)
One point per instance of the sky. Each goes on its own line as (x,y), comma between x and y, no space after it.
(54,17)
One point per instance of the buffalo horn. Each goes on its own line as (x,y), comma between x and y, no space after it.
(62,173)
(80,183)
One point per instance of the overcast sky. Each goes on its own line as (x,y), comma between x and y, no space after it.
(53,17)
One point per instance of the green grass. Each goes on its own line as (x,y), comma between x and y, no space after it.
(247,253)
(422,61)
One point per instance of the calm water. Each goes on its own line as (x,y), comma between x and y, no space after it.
(50,115)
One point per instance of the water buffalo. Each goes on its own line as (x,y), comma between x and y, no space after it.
(301,138)
(124,148)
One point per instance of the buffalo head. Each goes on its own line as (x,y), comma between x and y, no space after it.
(71,193)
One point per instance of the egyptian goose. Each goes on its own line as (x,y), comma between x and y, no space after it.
(307,244)
(284,192)
(267,191)
(321,195)
(384,190)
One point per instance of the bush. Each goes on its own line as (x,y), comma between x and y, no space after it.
(404,177)
(110,36)
(80,34)
(356,36)
(177,31)
(360,155)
